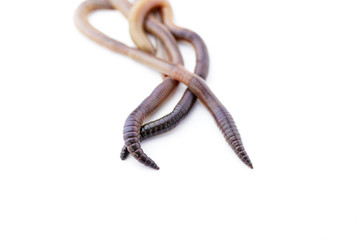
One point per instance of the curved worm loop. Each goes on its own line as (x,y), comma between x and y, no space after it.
(184,106)
(195,83)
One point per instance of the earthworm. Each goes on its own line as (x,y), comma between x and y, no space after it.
(195,83)
(160,93)
(131,128)
(137,16)
(184,106)
(133,123)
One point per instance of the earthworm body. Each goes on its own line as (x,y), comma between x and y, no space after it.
(139,18)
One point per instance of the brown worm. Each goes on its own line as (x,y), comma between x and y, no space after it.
(184,106)
(133,122)
(171,120)
(131,132)
(161,92)
(195,83)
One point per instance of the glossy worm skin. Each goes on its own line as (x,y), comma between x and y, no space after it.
(195,83)
(136,17)
(160,93)
(152,102)
(171,120)
(181,110)
(133,122)
(184,106)
(222,118)
(131,131)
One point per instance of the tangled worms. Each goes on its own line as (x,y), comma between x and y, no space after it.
(142,20)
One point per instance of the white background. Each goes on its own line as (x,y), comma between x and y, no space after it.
(288,71)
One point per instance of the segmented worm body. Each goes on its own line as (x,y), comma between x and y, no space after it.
(134,121)
(184,106)
(131,132)
(161,92)
(195,83)
(131,129)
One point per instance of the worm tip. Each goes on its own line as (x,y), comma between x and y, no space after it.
(124,153)
(152,164)
(156,167)
(249,164)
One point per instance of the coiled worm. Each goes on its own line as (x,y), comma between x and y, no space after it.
(195,83)
(184,106)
